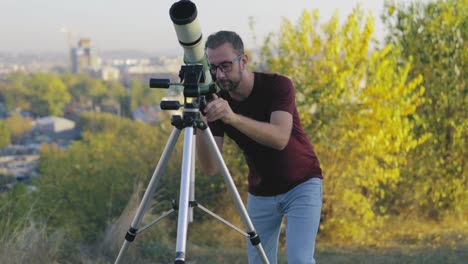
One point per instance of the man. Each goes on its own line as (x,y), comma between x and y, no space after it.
(258,111)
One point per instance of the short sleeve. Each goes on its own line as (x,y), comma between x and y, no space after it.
(283,95)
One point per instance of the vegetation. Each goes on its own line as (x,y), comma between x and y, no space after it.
(433,38)
(18,126)
(362,115)
(5,136)
(388,122)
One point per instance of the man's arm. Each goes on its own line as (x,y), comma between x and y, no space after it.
(274,134)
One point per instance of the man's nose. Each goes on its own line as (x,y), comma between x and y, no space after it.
(219,73)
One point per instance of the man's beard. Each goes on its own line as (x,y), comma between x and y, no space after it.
(229,85)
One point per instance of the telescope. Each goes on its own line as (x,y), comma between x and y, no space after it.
(195,75)
(197,82)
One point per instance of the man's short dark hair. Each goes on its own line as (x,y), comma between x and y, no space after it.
(219,38)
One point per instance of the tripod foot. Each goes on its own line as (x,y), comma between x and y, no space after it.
(180,258)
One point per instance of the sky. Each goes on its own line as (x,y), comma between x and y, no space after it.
(145,25)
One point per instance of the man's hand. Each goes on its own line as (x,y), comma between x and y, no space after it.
(274,134)
(218,108)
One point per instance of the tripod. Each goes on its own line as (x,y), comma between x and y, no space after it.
(191,122)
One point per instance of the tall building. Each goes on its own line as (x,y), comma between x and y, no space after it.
(83,58)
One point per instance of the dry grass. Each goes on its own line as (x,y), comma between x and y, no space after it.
(33,245)
(402,241)
(395,256)
(30,245)
(405,241)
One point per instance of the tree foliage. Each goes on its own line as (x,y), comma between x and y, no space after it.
(141,95)
(87,93)
(14,93)
(15,210)
(41,94)
(18,126)
(48,94)
(5,136)
(357,106)
(87,185)
(433,36)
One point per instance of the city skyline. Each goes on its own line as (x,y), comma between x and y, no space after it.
(144,25)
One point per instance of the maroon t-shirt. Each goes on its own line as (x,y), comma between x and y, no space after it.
(271,171)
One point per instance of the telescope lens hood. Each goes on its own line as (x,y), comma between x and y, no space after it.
(183,12)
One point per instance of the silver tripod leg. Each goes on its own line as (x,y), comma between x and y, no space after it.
(185,181)
(149,192)
(254,238)
(187,194)
(192,178)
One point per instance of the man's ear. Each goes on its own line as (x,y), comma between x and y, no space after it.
(244,61)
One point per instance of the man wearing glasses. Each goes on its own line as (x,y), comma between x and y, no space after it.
(258,111)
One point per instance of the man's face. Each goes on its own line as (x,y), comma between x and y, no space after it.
(225,65)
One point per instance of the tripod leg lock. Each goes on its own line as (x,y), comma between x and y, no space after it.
(131,234)
(254,238)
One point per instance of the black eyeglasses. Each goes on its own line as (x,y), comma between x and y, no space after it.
(225,66)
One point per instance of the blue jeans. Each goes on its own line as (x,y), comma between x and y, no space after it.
(301,206)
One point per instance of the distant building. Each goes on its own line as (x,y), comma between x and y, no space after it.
(83,58)
(53,124)
(55,130)
(109,73)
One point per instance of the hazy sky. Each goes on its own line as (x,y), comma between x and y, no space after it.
(34,25)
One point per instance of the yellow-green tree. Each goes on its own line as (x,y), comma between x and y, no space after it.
(142,95)
(48,94)
(87,93)
(13,91)
(5,136)
(84,187)
(115,96)
(18,126)
(433,36)
(357,106)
